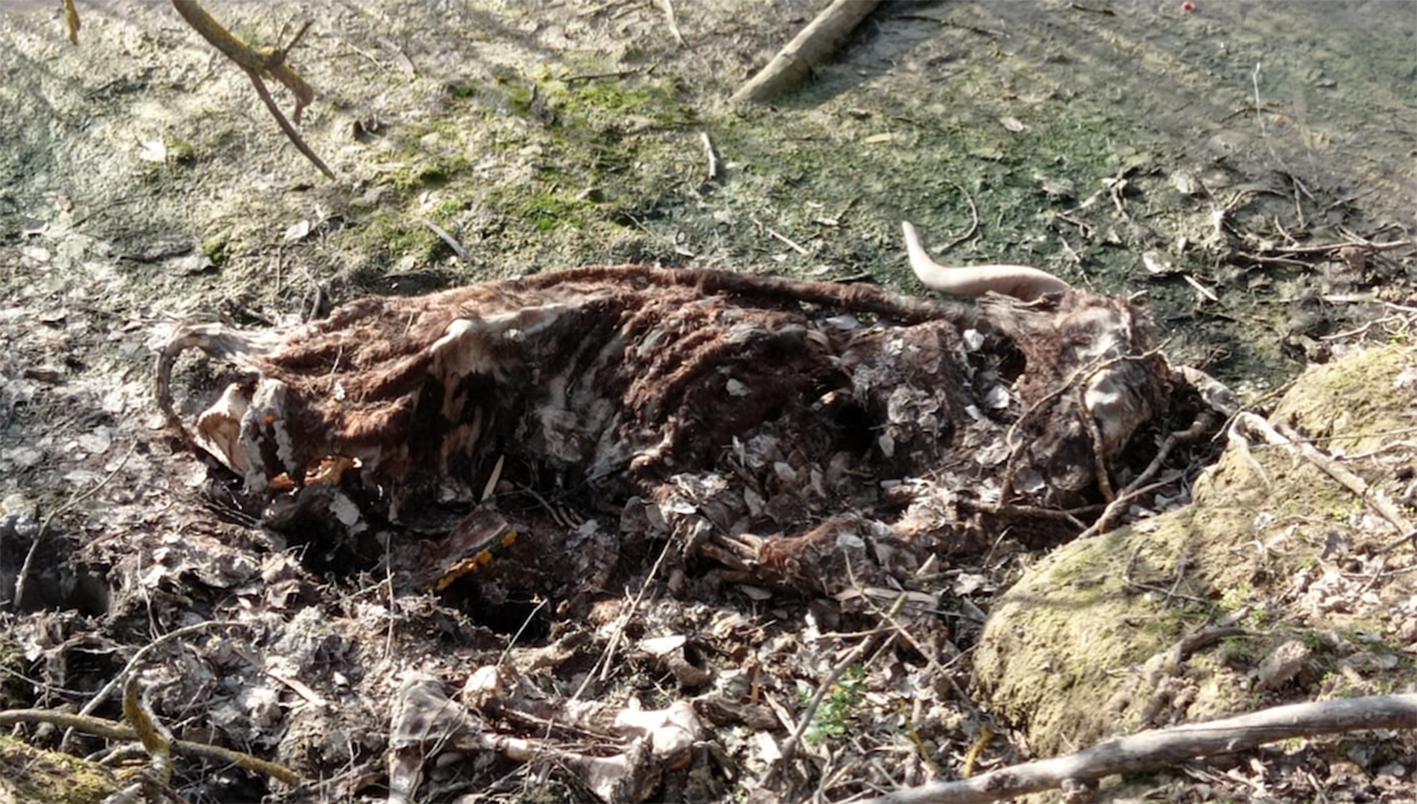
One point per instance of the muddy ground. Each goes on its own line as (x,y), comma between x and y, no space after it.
(1200,157)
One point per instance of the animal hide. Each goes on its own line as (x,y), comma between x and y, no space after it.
(781,426)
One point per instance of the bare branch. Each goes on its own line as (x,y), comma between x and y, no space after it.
(1162,747)
(794,61)
(257,63)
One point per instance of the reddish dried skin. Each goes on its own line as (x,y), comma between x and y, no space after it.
(620,382)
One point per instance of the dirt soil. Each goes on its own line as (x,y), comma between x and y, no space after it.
(1240,164)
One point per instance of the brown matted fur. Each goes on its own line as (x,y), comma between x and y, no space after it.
(611,384)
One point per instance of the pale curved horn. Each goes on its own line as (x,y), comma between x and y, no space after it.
(1019,281)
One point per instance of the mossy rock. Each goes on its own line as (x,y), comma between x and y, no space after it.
(1079,649)
(29,774)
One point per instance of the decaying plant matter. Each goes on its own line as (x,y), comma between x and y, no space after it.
(785,428)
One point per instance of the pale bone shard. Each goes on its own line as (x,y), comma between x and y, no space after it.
(219,429)
(1020,281)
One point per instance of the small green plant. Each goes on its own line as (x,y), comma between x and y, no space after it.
(179,151)
(217,247)
(424,174)
(1259,617)
(548,211)
(1235,597)
(1237,652)
(1313,640)
(834,713)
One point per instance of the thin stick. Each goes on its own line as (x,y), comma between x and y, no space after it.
(1259,112)
(789,746)
(712,157)
(512,643)
(1099,460)
(1131,493)
(606,657)
(255,63)
(1326,248)
(790,243)
(113,730)
(71,21)
(1282,436)
(1139,486)
(147,649)
(973,226)
(451,241)
(290,132)
(889,617)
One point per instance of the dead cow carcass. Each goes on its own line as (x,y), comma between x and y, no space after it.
(779,425)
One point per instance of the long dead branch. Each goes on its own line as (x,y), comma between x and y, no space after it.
(1162,747)
(792,63)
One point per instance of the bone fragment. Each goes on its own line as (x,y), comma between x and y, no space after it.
(1019,281)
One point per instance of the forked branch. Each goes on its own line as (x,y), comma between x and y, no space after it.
(258,62)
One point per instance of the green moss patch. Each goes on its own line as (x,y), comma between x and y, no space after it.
(1079,649)
(32,774)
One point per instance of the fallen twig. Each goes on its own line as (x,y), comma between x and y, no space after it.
(113,730)
(448,239)
(1099,458)
(118,680)
(789,746)
(607,659)
(1138,586)
(285,125)
(597,10)
(1202,289)
(1328,248)
(793,62)
(71,21)
(952,24)
(1204,423)
(973,226)
(1266,260)
(888,616)
(1283,436)
(1162,747)
(155,779)
(712,157)
(792,244)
